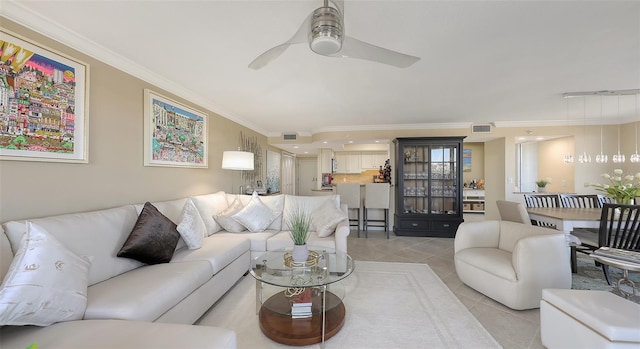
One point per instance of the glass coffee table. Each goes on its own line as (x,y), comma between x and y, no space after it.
(279,280)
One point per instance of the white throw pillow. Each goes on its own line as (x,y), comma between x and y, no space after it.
(210,205)
(46,282)
(325,219)
(224,218)
(255,216)
(191,226)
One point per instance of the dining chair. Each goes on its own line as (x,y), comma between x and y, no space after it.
(542,200)
(350,195)
(580,200)
(513,212)
(588,237)
(603,199)
(619,228)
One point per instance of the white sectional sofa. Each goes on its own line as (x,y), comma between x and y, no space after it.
(127,300)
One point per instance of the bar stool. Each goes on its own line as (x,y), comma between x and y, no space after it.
(376,197)
(350,195)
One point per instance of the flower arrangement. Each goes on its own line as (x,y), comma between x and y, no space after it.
(620,187)
(299,222)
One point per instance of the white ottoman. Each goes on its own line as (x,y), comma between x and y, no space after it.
(588,319)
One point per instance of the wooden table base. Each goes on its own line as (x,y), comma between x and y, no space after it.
(283,329)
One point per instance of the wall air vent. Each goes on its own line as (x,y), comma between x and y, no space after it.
(289,136)
(485,128)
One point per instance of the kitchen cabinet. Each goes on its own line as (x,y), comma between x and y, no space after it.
(348,162)
(429,186)
(372,160)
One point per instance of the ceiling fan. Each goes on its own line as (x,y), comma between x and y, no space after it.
(324,31)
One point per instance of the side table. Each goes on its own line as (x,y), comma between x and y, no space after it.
(274,272)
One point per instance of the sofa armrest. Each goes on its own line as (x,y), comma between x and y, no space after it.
(542,259)
(341,234)
(477,234)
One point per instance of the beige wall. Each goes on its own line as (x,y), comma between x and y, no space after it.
(551,164)
(115,174)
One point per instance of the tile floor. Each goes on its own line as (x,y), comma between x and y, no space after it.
(511,328)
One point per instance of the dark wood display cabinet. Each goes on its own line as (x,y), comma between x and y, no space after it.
(429,186)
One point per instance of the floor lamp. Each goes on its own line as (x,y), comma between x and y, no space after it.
(237,160)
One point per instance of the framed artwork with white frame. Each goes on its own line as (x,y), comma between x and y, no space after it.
(174,135)
(44,103)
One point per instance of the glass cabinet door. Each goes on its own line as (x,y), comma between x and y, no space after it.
(444,179)
(416,179)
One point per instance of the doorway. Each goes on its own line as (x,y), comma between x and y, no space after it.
(307,176)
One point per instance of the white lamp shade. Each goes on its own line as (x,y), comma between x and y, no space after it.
(237,160)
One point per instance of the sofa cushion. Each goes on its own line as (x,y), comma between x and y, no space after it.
(255,215)
(218,249)
(146,293)
(282,241)
(99,234)
(490,260)
(110,334)
(153,239)
(258,240)
(46,282)
(191,227)
(225,218)
(210,205)
(308,203)
(326,218)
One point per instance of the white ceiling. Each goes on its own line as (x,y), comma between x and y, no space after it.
(506,62)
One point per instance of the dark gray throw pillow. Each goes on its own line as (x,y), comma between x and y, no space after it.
(153,239)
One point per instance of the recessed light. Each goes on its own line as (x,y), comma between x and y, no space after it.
(350,141)
(295,147)
(377,141)
(539,138)
(325,142)
(306,152)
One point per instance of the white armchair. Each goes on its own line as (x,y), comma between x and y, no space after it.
(511,262)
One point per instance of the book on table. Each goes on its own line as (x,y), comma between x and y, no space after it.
(301,305)
(303,299)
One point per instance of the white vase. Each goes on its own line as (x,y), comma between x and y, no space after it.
(300,253)
(542,189)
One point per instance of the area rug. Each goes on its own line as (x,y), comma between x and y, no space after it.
(388,305)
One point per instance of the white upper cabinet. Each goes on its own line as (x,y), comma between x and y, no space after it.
(356,162)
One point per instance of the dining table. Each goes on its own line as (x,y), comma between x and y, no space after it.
(566,219)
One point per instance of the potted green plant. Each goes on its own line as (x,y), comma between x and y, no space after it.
(299,221)
(542,185)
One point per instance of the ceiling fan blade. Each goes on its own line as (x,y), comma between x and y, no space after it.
(298,38)
(354,48)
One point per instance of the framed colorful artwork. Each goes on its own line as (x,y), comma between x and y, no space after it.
(466,160)
(44,103)
(174,134)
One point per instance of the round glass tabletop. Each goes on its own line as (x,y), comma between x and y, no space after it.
(274,268)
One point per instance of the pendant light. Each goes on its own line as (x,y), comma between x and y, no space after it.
(618,158)
(601,158)
(635,157)
(567,158)
(584,158)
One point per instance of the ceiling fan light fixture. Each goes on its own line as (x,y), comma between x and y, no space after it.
(325,37)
